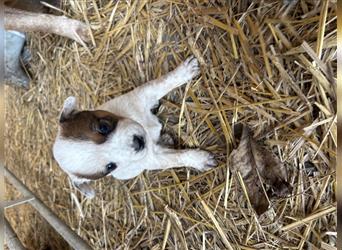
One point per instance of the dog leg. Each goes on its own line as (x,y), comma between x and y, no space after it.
(171,158)
(154,90)
(26,21)
(84,187)
(145,97)
(166,139)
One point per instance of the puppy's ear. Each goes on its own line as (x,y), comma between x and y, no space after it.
(69,106)
(84,188)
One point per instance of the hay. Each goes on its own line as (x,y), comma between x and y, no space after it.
(270,65)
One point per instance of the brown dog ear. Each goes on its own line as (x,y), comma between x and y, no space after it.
(69,107)
(84,188)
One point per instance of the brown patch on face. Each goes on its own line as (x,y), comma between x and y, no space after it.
(95,125)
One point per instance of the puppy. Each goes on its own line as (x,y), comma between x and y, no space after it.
(121,136)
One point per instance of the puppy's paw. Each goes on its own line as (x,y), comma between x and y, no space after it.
(189,68)
(202,160)
(166,139)
(85,189)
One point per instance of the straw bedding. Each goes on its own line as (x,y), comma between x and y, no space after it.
(268,64)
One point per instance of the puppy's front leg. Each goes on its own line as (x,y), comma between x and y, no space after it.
(171,158)
(146,96)
(154,90)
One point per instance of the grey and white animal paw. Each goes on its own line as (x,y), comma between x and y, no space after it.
(189,68)
(166,139)
(202,160)
(85,189)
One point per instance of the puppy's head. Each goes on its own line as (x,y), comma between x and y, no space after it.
(92,144)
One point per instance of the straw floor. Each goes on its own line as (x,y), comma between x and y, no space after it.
(268,64)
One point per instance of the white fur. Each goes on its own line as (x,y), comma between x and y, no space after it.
(87,157)
(69,105)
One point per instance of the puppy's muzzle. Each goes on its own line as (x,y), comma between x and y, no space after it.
(138,143)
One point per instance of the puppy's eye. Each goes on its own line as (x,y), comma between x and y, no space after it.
(111,166)
(104,127)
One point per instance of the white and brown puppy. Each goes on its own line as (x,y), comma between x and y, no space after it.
(121,136)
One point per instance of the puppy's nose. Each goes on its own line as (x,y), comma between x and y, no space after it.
(138,143)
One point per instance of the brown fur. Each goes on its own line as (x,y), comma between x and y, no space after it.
(85,125)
